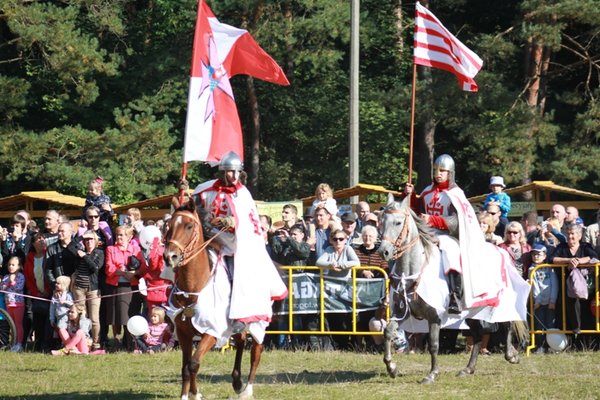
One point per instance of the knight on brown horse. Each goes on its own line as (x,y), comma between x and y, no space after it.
(234,295)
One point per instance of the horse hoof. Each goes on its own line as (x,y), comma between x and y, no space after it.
(392,370)
(197,396)
(247,393)
(427,380)
(465,372)
(513,359)
(238,386)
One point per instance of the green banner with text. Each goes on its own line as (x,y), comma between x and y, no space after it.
(305,294)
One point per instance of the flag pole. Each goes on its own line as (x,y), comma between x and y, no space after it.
(183,176)
(412,121)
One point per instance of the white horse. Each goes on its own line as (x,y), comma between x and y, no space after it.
(424,296)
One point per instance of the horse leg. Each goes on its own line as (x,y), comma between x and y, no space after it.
(185,342)
(434,348)
(255,354)
(191,363)
(510,353)
(389,334)
(236,374)
(477,334)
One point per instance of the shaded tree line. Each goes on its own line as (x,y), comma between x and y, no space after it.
(96,87)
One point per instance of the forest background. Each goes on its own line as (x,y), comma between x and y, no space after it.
(99,87)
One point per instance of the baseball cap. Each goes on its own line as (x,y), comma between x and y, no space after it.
(349,217)
(539,248)
(371,217)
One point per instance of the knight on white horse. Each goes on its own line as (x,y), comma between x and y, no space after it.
(445,208)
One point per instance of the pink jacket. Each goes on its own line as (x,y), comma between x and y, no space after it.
(117,259)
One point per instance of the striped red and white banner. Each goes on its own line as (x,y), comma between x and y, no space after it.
(436,47)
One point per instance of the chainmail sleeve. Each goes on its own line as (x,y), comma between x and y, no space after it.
(452,222)
(205,218)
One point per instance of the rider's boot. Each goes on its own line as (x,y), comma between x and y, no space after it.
(455,288)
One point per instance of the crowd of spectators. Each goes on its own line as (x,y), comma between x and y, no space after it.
(66,283)
(85,278)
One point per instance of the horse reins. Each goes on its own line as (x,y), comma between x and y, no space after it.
(187,254)
(399,247)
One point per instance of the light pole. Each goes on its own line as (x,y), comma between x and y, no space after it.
(354,110)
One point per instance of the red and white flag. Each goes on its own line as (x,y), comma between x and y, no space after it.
(435,46)
(220,51)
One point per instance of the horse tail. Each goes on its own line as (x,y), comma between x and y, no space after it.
(521,331)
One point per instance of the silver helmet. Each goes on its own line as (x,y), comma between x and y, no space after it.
(444,162)
(231,162)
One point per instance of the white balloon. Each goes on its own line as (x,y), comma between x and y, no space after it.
(557,341)
(137,325)
(147,236)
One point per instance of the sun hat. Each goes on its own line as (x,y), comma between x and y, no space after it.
(497,180)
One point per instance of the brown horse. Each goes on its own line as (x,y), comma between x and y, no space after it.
(186,253)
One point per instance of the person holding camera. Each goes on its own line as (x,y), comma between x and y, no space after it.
(289,247)
(125,264)
(14,241)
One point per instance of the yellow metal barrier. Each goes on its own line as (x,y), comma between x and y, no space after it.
(322,330)
(563,306)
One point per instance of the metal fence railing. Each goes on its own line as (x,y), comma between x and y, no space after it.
(562,307)
(324,306)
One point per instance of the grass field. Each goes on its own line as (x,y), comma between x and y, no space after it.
(299,375)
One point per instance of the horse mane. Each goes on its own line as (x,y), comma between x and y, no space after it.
(428,238)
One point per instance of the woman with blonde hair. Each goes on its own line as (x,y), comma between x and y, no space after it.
(488,226)
(125,264)
(515,243)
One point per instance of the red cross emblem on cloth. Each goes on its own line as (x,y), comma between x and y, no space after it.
(468,211)
(219,207)
(256,222)
(434,207)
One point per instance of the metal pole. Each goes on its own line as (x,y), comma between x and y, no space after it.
(412,122)
(354,127)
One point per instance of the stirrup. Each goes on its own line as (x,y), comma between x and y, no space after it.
(454,305)
(237,327)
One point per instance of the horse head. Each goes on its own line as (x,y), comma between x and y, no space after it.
(394,218)
(185,241)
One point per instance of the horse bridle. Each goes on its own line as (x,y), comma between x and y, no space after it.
(188,250)
(399,247)
(189,253)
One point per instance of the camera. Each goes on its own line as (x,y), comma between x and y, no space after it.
(133,264)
